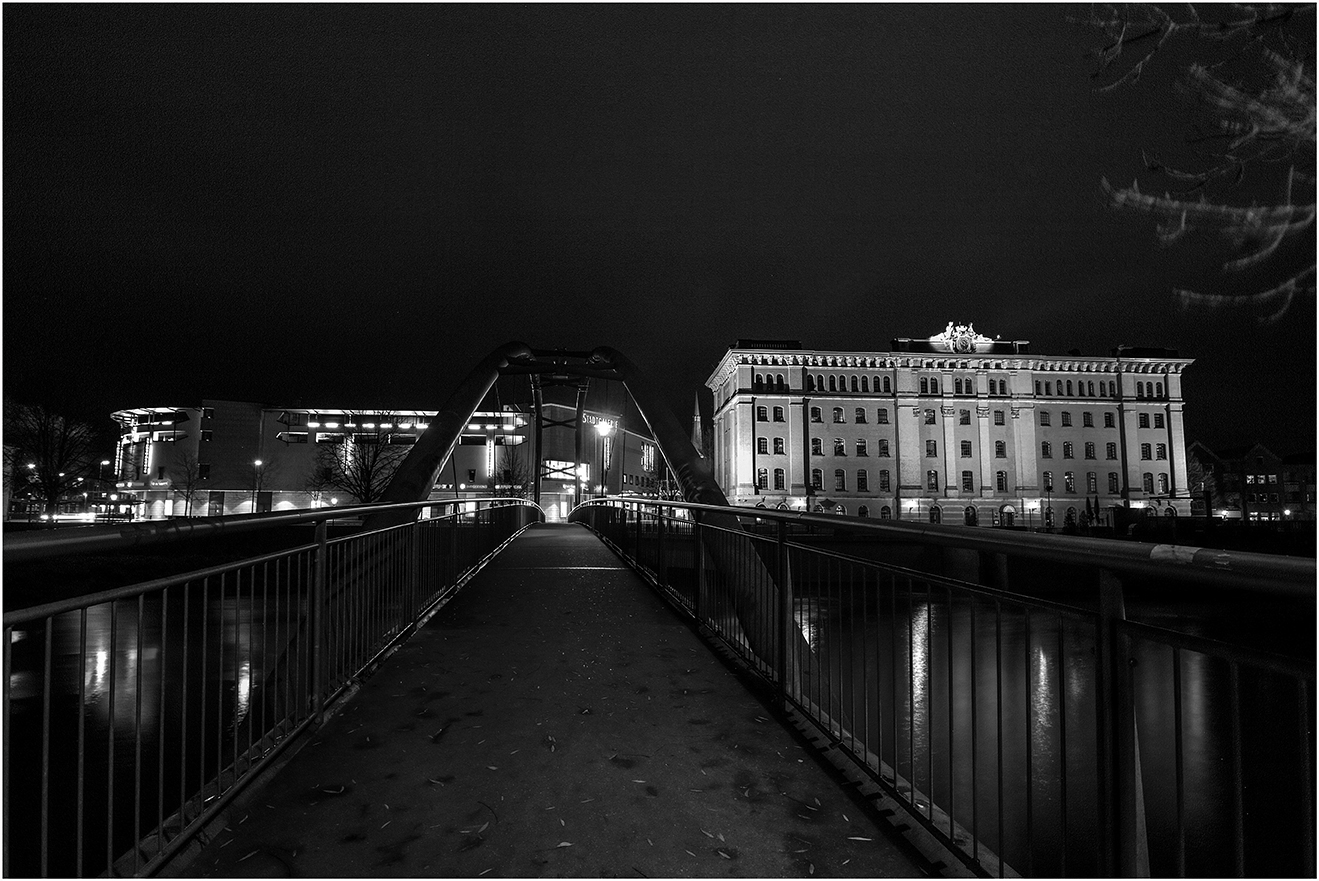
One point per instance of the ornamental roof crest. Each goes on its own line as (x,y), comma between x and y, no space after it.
(961,339)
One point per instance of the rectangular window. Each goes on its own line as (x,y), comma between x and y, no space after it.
(1143,420)
(1001,481)
(1145,451)
(1110,450)
(1108,420)
(1088,419)
(816,416)
(1089,449)
(762,414)
(1160,451)
(1112,483)
(778,446)
(207,434)
(1048,480)
(883,481)
(1069,482)
(778,414)
(931,448)
(883,447)
(838,414)
(1044,417)
(840,480)
(881,416)
(203,470)
(966,449)
(208,412)
(968,482)
(762,445)
(964,417)
(1046,450)
(817,478)
(817,446)
(860,415)
(762,478)
(1158,420)
(998,417)
(1000,449)
(840,447)
(862,481)
(929,417)
(861,447)
(778,478)
(1091,482)
(1147,482)
(931,479)
(1067,417)
(1067,450)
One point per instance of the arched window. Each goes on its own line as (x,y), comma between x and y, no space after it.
(865,387)
(779,447)
(854,385)
(1158,390)
(780,383)
(1163,484)
(925,385)
(957,386)
(863,511)
(762,414)
(1147,482)
(762,446)
(969,515)
(819,382)
(816,416)
(838,414)
(885,512)
(778,478)
(1080,388)
(1000,449)
(1037,387)
(882,448)
(886,384)
(817,478)
(1140,389)
(833,383)
(758,383)
(932,479)
(936,514)
(840,480)
(1069,387)
(841,510)
(840,447)
(778,414)
(860,415)
(934,385)
(762,478)
(817,446)
(1001,481)
(810,383)
(862,481)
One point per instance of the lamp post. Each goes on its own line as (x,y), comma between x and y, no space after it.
(603,430)
(256,481)
(1048,507)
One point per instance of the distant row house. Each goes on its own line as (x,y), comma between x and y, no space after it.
(1251,484)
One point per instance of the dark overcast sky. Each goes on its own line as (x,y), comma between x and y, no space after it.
(346,205)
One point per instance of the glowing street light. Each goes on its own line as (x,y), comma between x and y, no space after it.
(604,429)
(256,481)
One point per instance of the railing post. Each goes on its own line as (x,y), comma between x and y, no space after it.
(785,616)
(317,615)
(698,600)
(1126,787)
(661,566)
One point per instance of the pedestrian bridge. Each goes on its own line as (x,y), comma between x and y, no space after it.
(659,687)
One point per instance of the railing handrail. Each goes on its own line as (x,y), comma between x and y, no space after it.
(1224,568)
(29,546)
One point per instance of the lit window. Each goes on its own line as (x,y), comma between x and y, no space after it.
(1067,417)
(838,414)
(840,447)
(1091,482)
(1001,481)
(1163,486)
(999,418)
(861,446)
(1067,450)
(1069,482)
(1089,449)
(929,417)
(840,480)
(1110,451)
(817,478)
(778,446)
(1158,420)
(882,447)
(817,446)
(1000,449)
(1112,482)
(778,414)
(762,445)
(968,482)
(860,415)
(1048,480)
(1044,417)
(964,417)
(762,478)
(1046,450)
(884,481)
(932,479)
(1160,451)
(931,448)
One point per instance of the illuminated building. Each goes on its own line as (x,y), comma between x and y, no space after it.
(1251,484)
(234,457)
(955,428)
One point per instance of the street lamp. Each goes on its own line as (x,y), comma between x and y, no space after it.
(604,429)
(256,481)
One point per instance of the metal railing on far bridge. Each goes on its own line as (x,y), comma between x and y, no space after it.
(998,687)
(133,715)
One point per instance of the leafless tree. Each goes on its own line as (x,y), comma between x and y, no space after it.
(186,477)
(1260,91)
(363,462)
(51,455)
(514,472)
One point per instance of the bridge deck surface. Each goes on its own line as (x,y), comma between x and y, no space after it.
(556,718)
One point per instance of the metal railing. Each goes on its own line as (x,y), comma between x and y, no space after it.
(132,716)
(1032,731)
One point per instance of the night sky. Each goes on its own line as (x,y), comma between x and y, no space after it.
(349,206)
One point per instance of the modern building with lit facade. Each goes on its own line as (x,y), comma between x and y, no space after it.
(235,457)
(955,428)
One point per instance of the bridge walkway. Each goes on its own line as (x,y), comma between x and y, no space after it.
(556,718)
